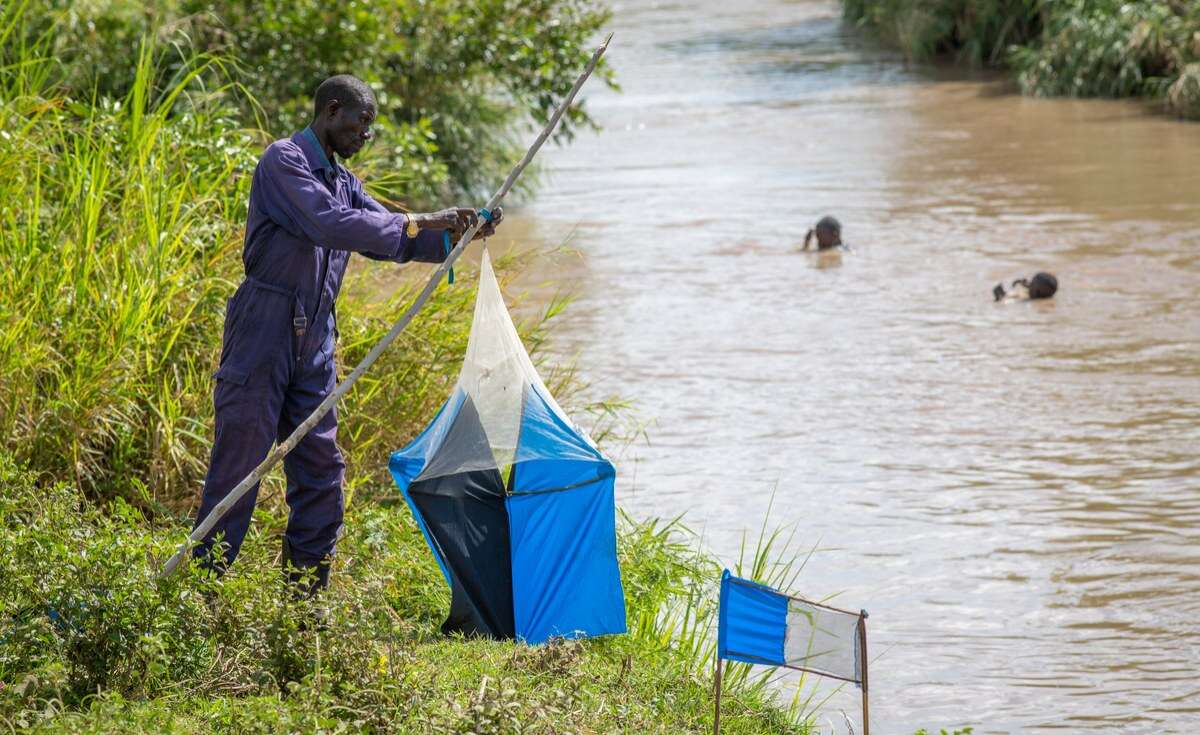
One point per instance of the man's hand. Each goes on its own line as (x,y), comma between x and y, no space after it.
(458,220)
(489,228)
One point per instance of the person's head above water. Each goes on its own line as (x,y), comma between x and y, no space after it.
(828,231)
(1042,286)
(343,110)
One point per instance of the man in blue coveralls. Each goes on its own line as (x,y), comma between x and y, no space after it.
(307,214)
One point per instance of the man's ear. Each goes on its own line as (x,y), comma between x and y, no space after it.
(331,109)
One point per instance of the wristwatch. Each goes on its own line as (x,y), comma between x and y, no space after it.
(413,228)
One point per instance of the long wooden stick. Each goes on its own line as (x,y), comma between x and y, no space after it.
(281,450)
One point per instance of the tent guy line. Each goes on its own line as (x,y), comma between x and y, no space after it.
(281,450)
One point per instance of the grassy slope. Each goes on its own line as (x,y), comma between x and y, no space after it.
(190,654)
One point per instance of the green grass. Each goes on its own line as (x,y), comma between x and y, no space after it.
(128,652)
(1078,48)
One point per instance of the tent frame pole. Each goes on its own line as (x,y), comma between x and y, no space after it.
(281,450)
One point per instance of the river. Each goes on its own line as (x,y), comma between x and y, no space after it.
(1011,490)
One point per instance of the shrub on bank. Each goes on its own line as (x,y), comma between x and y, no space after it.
(454,78)
(1105,48)
(976,32)
(1082,48)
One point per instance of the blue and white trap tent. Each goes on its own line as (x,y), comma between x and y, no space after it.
(760,625)
(515,501)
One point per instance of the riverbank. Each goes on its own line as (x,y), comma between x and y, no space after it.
(120,246)
(1082,48)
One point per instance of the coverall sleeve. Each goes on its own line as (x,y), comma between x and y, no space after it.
(295,200)
(427,247)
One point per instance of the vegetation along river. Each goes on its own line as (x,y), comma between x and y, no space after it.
(1011,490)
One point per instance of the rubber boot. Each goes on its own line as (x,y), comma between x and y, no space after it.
(306,582)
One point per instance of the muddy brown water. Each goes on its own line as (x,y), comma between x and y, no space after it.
(1012,491)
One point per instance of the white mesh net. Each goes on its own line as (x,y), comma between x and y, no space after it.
(495,377)
(823,640)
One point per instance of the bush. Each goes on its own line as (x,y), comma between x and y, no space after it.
(1081,48)
(454,78)
(974,31)
(1105,48)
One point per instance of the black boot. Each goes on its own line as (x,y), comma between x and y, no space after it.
(306,582)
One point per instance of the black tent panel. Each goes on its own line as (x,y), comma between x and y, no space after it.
(466,517)
(464,514)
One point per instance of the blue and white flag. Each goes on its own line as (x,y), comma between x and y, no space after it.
(760,625)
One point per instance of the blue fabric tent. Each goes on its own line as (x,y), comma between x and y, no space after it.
(515,501)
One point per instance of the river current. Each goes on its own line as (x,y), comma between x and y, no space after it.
(1011,490)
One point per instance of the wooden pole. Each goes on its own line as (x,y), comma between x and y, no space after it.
(862,643)
(288,444)
(717,706)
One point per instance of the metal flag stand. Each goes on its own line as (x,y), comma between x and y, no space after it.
(288,444)
(862,644)
(770,647)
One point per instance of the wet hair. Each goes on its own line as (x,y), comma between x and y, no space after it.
(1042,286)
(350,91)
(827,223)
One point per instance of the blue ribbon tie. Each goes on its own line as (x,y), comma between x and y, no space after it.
(446,248)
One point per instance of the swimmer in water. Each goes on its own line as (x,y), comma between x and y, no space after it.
(1041,286)
(829,235)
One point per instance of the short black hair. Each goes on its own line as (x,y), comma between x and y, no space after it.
(829,222)
(1043,286)
(349,90)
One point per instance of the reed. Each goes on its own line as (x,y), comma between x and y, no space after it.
(118,238)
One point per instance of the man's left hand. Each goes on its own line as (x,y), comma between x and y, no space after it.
(466,219)
(489,228)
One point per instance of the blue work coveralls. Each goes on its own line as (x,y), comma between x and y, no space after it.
(306,216)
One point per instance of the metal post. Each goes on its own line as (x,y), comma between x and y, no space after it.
(862,644)
(717,708)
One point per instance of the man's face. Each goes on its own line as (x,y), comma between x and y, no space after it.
(350,127)
(827,237)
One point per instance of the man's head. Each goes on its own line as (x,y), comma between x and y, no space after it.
(343,110)
(829,232)
(1042,286)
